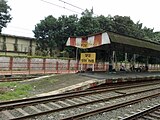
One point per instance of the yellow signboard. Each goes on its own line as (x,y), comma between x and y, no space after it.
(88,58)
(84,45)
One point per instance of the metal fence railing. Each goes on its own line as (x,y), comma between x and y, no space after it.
(14,65)
(44,66)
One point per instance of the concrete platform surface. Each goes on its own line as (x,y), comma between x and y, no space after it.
(98,78)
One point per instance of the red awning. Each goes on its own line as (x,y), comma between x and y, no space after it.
(89,42)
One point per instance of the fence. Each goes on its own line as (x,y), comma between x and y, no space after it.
(13,65)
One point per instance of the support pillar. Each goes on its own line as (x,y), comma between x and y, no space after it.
(126,59)
(113,57)
(68,66)
(11,63)
(134,60)
(112,62)
(44,65)
(147,63)
(29,65)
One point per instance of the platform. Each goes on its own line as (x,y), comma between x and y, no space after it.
(122,76)
(88,80)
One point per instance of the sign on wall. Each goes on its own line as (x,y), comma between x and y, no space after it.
(88,58)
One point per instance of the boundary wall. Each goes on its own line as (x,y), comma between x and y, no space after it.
(15,65)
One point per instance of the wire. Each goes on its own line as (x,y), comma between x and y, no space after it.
(72,5)
(76,6)
(66,9)
(73,10)
(17,31)
(20,28)
(59,6)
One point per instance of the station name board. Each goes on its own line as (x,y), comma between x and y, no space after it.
(88,58)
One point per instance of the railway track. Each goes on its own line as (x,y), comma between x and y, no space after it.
(11,79)
(75,104)
(150,112)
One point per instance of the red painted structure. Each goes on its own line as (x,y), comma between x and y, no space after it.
(44,66)
(26,66)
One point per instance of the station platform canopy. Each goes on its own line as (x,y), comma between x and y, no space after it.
(111,41)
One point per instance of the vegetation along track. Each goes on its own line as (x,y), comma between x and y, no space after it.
(75,104)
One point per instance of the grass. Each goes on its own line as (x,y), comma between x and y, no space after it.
(17,90)
(13,90)
(43,83)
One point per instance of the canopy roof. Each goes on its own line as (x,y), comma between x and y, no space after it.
(117,38)
(118,42)
(89,41)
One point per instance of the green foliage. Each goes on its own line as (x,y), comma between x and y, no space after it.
(156,37)
(52,33)
(105,23)
(5,17)
(45,32)
(67,28)
(14,90)
(87,24)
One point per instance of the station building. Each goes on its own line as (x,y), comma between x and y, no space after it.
(113,43)
(17,45)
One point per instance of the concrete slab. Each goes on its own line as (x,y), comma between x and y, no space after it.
(76,87)
(123,76)
(101,78)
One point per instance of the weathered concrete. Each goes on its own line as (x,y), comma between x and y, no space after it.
(101,78)
(76,87)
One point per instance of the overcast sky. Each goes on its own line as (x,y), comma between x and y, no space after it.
(27,13)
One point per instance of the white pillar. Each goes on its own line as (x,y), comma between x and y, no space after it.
(126,60)
(113,60)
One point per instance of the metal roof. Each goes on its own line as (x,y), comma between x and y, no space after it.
(117,38)
(15,36)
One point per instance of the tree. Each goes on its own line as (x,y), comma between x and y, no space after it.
(45,33)
(52,33)
(87,24)
(149,34)
(5,17)
(105,23)
(68,27)
(156,37)
(122,24)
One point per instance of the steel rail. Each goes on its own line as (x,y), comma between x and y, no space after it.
(81,104)
(106,108)
(142,113)
(29,101)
